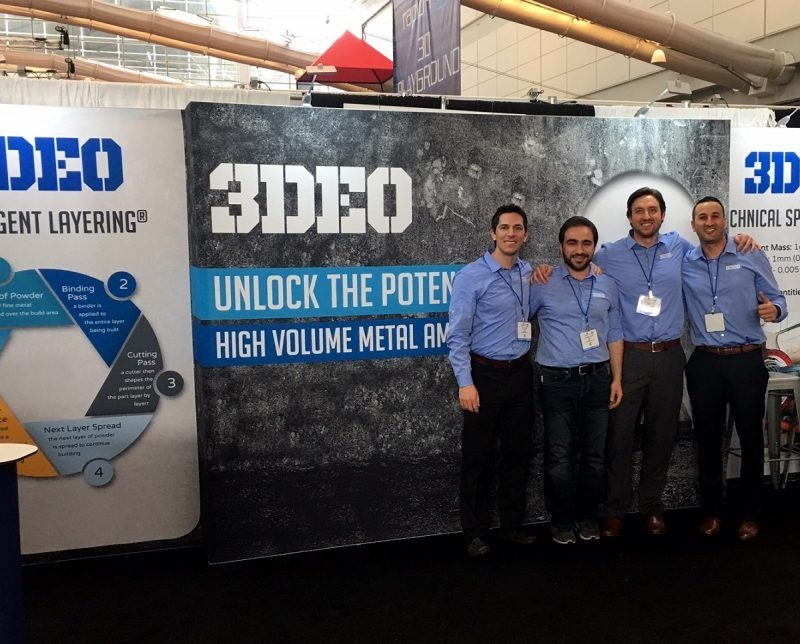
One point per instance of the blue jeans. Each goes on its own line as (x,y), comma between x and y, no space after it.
(575,409)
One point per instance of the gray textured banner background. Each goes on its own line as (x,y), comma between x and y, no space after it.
(310,456)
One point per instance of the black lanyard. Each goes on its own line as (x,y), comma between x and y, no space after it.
(713,283)
(577,297)
(647,277)
(521,297)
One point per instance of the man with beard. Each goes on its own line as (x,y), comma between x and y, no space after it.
(489,337)
(728,295)
(579,360)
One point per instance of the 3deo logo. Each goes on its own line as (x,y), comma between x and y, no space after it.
(60,164)
(776,172)
(243,183)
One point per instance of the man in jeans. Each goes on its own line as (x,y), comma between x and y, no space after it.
(489,337)
(580,379)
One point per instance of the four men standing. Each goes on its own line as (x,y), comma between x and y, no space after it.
(583,318)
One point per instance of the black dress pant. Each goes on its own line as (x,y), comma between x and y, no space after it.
(652,382)
(715,381)
(505,413)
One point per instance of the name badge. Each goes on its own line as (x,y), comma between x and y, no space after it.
(715,322)
(524,331)
(649,305)
(590,339)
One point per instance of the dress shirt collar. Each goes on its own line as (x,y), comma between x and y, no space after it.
(697,252)
(565,274)
(630,242)
(491,262)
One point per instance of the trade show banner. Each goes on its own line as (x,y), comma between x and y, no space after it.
(427,47)
(323,249)
(765,203)
(95,350)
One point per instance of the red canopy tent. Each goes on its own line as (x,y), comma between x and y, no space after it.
(355,62)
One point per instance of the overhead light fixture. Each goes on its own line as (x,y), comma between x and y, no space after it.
(644,109)
(658,57)
(784,121)
(313,71)
(63,39)
(678,86)
(716,99)
(534,93)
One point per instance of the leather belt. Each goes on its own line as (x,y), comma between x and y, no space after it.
(503,365)
(580,370)
(653,347)
(730,351)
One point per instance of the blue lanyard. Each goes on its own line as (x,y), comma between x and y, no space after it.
(577,297)
(647,277)
(521,297)
(713,283)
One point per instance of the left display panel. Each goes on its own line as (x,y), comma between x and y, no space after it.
(95,330)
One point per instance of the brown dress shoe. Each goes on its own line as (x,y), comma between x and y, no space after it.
(655,525)
(710,526)
(612,527)
(748,530)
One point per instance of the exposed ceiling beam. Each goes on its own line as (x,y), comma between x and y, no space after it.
(571,26)
(160,29)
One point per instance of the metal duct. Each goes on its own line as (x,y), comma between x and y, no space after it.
(158,28)
(83,68)
(679,36)
(568,25)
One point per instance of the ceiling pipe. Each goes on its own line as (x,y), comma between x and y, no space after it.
(668,31)
(160,29)
(83,68)
(567,25)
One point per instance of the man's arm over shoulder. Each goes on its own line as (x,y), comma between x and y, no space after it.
(601,257)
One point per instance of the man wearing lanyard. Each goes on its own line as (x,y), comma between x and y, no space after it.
(646,266)
(727,296)
(489,337)
(579,360)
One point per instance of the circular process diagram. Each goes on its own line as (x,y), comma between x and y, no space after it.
(123,338)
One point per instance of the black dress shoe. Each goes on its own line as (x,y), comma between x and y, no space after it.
(478,548)
(748,530)
(519,537)
(655,525)
(612,527)
(710,526)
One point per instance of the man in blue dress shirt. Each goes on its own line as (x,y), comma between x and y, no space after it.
(727,295)
(579,360)
(646,266)
(489,337)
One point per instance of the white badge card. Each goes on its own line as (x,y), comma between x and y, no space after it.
(590,339)
(524,331)
(649,305)
(715,322)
